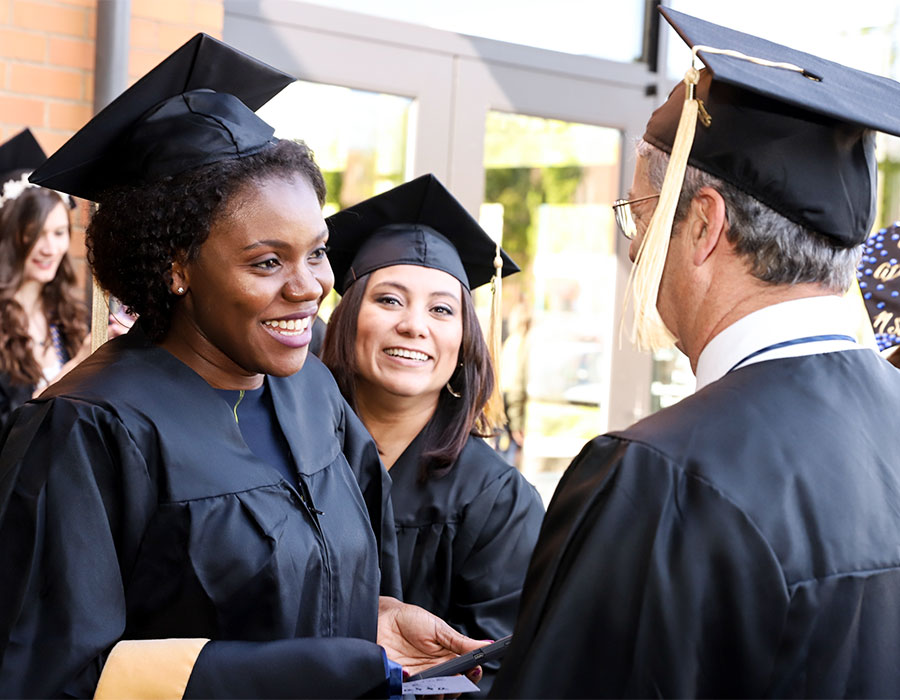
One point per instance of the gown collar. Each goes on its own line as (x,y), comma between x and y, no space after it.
(817,319)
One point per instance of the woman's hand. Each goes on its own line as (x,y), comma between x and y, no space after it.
(415,638)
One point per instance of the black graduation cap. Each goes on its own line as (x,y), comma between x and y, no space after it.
(879,283)
(416,223)
(21,152)
(798,141)
(193,109)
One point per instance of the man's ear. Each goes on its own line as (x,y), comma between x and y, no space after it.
(708,225)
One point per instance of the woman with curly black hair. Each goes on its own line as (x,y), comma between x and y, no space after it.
(43,317)
(194,511)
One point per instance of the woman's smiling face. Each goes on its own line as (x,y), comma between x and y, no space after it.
(50,247)
(409,331)
(253,291)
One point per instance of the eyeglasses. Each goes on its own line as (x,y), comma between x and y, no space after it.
(624,217)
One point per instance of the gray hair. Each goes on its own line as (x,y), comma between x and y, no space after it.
(778,250)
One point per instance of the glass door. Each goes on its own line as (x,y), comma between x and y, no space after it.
(548,184)
(536,143)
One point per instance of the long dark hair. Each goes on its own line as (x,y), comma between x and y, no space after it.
(21,224)
(446,433)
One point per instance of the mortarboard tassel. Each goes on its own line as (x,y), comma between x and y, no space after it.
(494,414)
(99,316)
(649,332)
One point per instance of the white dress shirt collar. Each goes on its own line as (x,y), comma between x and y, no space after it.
(800,318)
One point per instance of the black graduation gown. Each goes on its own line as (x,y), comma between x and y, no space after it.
(743,542)
(131,508)
(12,396)
(465,539)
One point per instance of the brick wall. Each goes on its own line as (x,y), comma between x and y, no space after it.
(47,62)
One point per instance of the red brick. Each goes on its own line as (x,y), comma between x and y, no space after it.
(92,25)
(80,273)
(50,18)
(27,46)
(172,11)
(171,37)
(77,249)
(68,115)
(22,110)
(71,53)
(88,92)
(209,16)
(144,33)
(50,140)
(51,82)
(141,62)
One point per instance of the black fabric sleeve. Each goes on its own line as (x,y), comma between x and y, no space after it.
(325,667)
(646,581)
(74,499)
(11,397)
(362,455)
(496,538)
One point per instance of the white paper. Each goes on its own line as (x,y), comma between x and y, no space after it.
(439,686)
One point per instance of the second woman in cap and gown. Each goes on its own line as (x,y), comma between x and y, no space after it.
(194,511)
(409,355)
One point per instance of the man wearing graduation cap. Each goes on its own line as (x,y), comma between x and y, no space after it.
(745,541)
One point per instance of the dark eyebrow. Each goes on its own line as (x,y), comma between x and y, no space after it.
(403,288)
(277,243)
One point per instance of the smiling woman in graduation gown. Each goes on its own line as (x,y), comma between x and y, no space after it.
(194,511)
(144,514)
(410,356)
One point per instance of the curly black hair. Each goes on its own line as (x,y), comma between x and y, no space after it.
(137,232)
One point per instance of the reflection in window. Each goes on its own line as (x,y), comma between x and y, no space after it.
(548,186)
(359,139)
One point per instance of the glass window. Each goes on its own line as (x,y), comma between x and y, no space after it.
(672,378)
(548,187)
(606,30)
(359,139)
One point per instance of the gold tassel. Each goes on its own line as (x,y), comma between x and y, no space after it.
(495,416)
(649,332)
(99,316)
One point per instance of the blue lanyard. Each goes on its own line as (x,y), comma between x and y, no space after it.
(794,341)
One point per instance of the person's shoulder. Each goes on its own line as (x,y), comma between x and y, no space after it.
(121,369)
(484,469)
(313,373)
(478,456)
